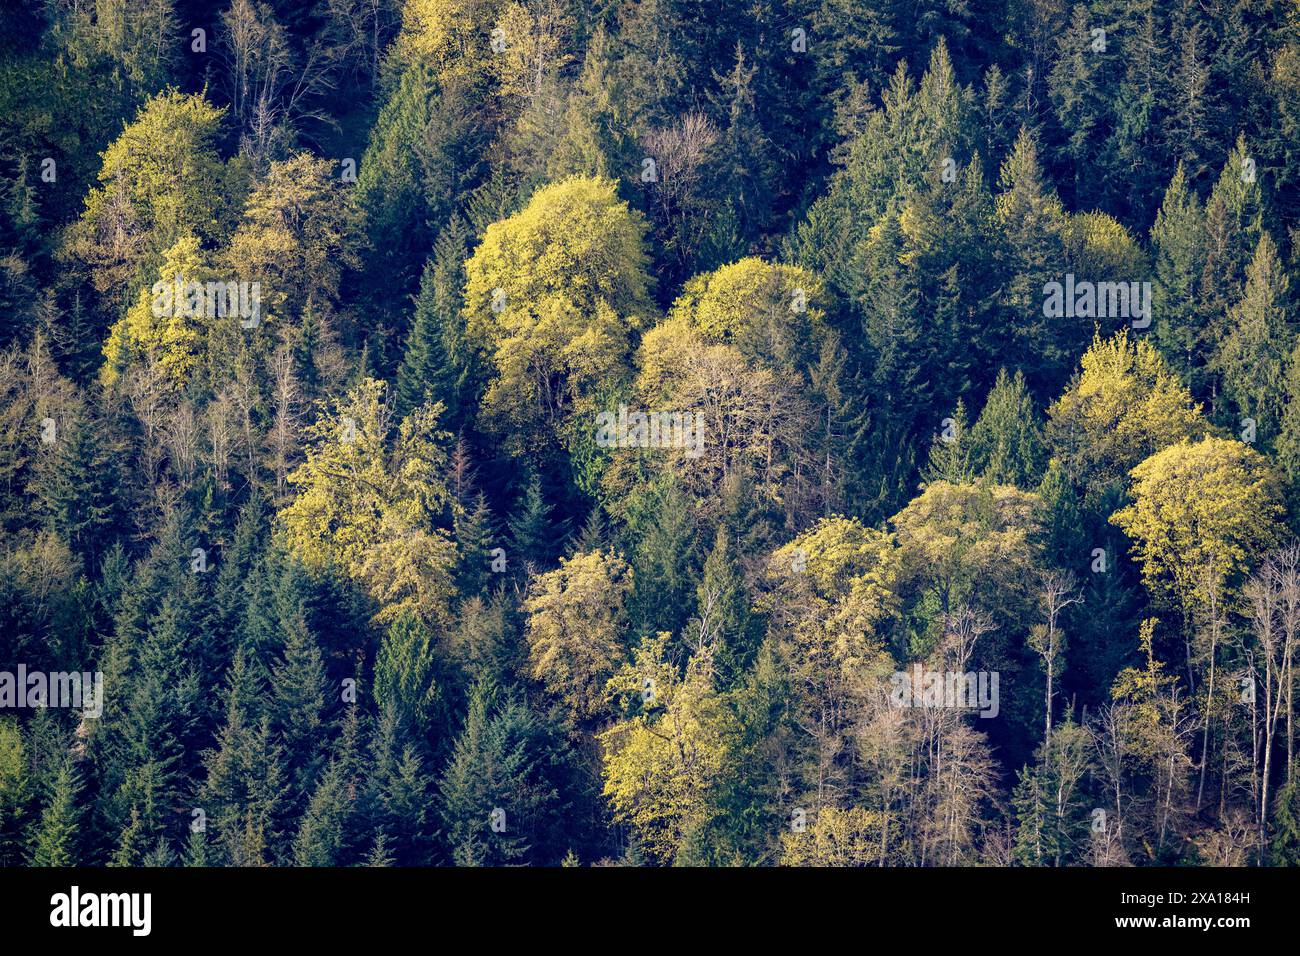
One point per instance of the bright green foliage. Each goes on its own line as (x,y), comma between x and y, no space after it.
(367,501)
(1125,405)
(295,237)
(661,760)
(554,294)
(373,579)
(837,837)
(574,629)
(771,313)
(161,328)
(828,596)
(964,541)
(161,181)
(1202,513)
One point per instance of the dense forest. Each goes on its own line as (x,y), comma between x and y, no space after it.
(649,432)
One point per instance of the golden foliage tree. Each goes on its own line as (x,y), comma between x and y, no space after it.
(575,621)
(373,505)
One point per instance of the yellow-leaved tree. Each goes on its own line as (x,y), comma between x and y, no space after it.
(162,179)
(662,758)
(576,616)
(295,237)
(973,544)
(554,296)
(741,347)
(1125,405)
(850,837)
(1202,514)
(373,505)
(828,595)
(1098,246)
(452,36)
(162,328)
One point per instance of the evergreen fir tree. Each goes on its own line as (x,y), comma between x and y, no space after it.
(406,678)
(476,536)
(1253,354)
(662,565)
(1284,849)
(379,854)
(398,794)
(16,797)
(438,364)
(76,487)
(1006,443)
(500,802)
(57,838)
(322,834)
(592,537)
(950,452)
(1178,241)
(723,620)
(532,530)
(299,707)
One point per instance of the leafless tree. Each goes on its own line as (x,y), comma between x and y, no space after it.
(1274,598)
(271,88)
(1057,591)
(682,152)
(359,30)
(286,409)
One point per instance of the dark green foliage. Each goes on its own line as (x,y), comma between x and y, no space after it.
(505,789)
(933,165)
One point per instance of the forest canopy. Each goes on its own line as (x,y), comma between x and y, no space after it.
(781,432)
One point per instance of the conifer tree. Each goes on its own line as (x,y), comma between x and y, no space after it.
(299,707)
(323,832)
(662,566)
(437,365)
(950,452)
(1035,224)
(723,621)
(532,531)
(407,678)
(1006,443)
(16,797)
(400,794)
(476,537)
(501,801)
(1178,239)
(1253,354)
(57,838)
